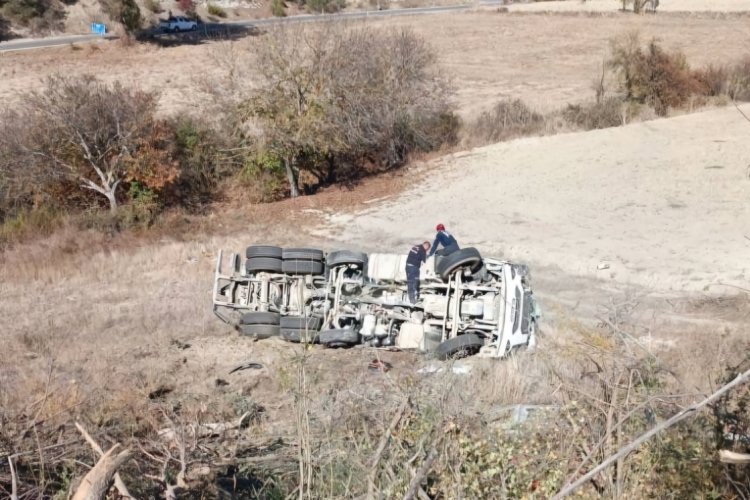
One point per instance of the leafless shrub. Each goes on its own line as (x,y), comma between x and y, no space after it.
(653,76)
(508,119)
(324,6)
(739,80)
(714,80)
(662,80)
(607,113)
(639,6)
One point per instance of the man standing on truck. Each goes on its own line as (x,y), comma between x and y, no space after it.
(445,239)
(417,256)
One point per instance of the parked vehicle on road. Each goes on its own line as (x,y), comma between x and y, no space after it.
(177,24)
(469,304)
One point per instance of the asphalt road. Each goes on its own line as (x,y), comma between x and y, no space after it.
(73,39)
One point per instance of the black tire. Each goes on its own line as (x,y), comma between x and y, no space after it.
(263,264)
(465,344)
(263,251)
(339,338)
(260,318)
(342,257)
(301,323)
(297,267)
(302,254)
(466,257)
(259,331)
(297,335)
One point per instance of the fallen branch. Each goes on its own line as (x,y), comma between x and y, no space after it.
(570,488)
(204,430)
(381,448)
(97,482)
(415,485)
(731,457)
(741,112)
(119,484)
(13,480)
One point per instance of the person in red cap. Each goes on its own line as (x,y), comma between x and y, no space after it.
(445,239)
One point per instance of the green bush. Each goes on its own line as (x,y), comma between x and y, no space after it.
(329,6)
(263,177)
(153,6)
(5,32)
(143,208)
(126,12)
(370,99)
(217,11)
(38,15)
(26,223)
(278,8)
(24,11)
(202,164)
(130,15)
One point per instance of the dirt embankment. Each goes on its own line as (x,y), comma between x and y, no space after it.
(662,204)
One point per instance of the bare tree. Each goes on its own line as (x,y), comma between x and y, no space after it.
(81,130)
(639,6)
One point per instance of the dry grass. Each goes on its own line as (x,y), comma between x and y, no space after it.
(490,56)
(96,327)
(95,333)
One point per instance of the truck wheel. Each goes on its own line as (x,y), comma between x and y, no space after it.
(259,331)
(297,336)
(301,323)
(298,267)
(342,257)
(302,254)
(466,257)
(260,318)
(263,251)
(460,346)
(263,264)
(339,338)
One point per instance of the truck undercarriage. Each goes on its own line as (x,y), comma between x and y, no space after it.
(468,304)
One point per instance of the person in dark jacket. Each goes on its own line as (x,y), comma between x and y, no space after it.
(417,256)
(446,240)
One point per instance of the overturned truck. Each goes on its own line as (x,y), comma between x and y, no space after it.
(468,304)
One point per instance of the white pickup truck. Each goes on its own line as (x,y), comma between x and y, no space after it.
(468,304)
(179,23)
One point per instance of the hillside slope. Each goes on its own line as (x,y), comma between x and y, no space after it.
(665,204)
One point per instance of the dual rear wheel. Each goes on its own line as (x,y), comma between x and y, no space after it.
(294,261)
